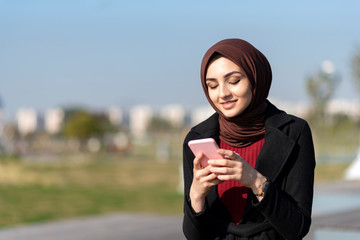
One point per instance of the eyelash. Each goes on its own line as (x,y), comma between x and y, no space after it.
(232,83)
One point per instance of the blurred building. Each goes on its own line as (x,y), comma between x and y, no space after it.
(174,114)
(200,114)
(2,119)
(300,109)
(140,117)
(53,120)
(27,120)
(350,108)
(115,115)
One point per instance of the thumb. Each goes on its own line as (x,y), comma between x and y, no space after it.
(197,164)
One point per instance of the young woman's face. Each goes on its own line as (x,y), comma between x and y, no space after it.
(228,87)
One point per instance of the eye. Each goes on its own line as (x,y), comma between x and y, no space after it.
(212,86)
(234,80)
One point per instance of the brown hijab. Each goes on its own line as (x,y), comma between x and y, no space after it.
(248,127)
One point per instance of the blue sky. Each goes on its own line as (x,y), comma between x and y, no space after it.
(98,53)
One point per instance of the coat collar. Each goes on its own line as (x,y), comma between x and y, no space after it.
(275,118)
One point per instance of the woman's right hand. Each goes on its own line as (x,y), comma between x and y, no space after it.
(202,182)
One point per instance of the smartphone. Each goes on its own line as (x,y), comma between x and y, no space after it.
(208,147)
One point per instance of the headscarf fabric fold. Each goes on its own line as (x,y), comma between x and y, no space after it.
(248,127)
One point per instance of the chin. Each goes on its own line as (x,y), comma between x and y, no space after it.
(232,112)
(229,113)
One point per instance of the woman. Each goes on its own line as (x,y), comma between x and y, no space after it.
(263,186)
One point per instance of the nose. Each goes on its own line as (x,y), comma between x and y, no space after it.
(224,91)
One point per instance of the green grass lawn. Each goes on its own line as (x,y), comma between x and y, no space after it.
(330,172)
(34,192)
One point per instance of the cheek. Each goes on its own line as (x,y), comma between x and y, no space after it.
(244,91)
(248,95)
(212,95)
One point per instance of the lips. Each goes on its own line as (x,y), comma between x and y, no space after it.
(228,104)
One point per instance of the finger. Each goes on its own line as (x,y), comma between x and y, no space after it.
(225,177)
(221,163)
(225,153)
(235,156)
(211,180)
(228,154)
(203,173)
(197,164)
(216,181)
(222,171)
(210,177)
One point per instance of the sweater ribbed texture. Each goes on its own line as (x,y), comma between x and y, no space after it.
(232,193)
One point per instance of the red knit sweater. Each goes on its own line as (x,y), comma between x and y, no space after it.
(232,193)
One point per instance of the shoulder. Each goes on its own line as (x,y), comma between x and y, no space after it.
(205,129)
(290,124)
(277,117)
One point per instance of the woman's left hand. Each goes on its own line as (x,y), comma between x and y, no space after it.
(234,167)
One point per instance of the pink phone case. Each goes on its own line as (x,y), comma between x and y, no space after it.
(208,147)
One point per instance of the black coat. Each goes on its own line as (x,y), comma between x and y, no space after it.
(286,158)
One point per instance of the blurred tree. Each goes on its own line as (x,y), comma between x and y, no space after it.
(321,88)
(159,125)
(82,125)
(355,64)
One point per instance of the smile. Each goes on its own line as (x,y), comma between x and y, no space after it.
(228,104)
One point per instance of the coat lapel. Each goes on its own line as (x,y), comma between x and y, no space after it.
(274,153)
(277,147)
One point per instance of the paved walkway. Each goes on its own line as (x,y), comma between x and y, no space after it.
(108,227)
(344,214)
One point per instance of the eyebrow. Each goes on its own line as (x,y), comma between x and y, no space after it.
(226,76)
(231,73)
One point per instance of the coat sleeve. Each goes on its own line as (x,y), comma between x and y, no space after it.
(288,207)
(194,224)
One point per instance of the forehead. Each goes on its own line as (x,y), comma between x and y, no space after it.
(222,65)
